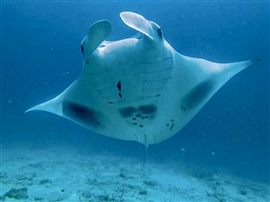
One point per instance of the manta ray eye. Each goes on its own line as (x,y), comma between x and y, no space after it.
(159,31)
(82,49)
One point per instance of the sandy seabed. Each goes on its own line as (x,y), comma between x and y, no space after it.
(63,174)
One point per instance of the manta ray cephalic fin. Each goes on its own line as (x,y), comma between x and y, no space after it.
(97,33)
(139,23)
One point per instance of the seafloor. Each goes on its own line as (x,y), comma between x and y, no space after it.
(68,174)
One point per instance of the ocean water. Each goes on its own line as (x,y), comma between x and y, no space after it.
(40,57)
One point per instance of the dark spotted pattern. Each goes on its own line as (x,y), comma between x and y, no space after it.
(119,88)
(170,125)
(136,114)
(127,111)
(138,111)
(81,113)
(197,94)
(147,109)
(119,85)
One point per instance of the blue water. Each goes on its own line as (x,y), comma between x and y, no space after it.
(41,57)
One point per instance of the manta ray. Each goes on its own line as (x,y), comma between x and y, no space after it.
(138,88)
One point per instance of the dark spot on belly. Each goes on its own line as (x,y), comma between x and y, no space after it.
(172,126)
(119,88)
(198,94)
(140,111)
(81,114)
(119,85)
(147,109)
(127,111)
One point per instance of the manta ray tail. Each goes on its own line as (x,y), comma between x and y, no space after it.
(145,151)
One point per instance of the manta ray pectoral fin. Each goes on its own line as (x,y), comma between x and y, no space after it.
(231,69)
(52,106)
(213,77)
(140,24)
(97,33)
(224,72)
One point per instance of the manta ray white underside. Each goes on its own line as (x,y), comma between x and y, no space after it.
(138,88)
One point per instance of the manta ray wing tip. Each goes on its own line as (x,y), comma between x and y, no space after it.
(254,61)
(28,110)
